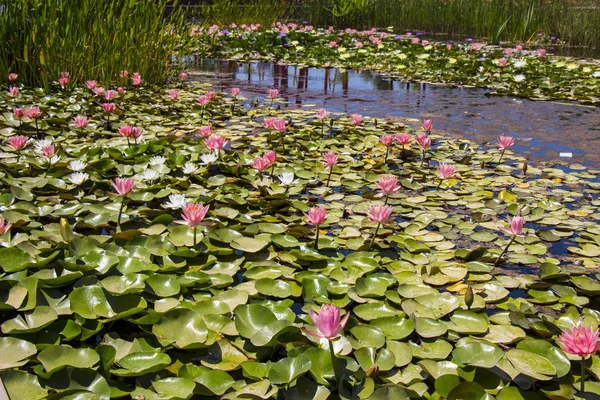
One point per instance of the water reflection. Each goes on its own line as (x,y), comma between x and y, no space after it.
(544,129)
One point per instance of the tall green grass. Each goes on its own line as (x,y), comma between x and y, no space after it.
(91,39)
(575,21)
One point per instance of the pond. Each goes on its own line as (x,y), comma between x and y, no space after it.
(544,129)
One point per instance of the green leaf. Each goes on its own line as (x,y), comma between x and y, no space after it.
(13,259)
(15,352)
(249,245)
(141,363)
(478,354)
(54,358)
(22,386)
(183,327)
(217,382)
(289,369)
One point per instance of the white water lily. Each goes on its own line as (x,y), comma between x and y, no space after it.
(287,179)
(519,78)
(150,175)
(77,178)
(157,160)
(519,63)
(208,158)
(77,165)
(53,160)
(39,144)
(596,74)
(189,168)
(176,201)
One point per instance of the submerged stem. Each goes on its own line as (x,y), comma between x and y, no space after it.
(195,230)
(387,151)
(504,252)
(317,239)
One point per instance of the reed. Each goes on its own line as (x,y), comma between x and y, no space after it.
(89,39)
(508,20)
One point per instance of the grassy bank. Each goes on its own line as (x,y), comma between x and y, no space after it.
(89,39)
(574,21)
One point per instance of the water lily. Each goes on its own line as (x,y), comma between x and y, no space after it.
(424,142)
(379,214)
(316,216)
(12,77)
(215,142)
(173,94)
(515,228)
(18,143)
(580,341)
(519,78)
(176,201)
(356,119)
(260,163)
(157,160)
(203,131)
(13,91)
(388,184)
(445,171)
(321,115)
(427,125)
(122,186)
(150,175)
(189,168)
(81,122)
(77,165)
(330,159)
(287,179)
(136,79)
(77,178)
(208,158)
(91,84)
(387,141)
(183,76)
(49,153)
(329,326)
(109,95)
(193,214)
(504,143)
(235,91)
(404,139)
(273,93)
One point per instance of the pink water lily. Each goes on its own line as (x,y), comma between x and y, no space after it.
(316,215)
(19,113)
(328,321)
(541,52)
(122,186)
(424,141)
(17,142)
(183,76)
(330,159)
(580,340)
(386,140)
(322,114)
(269,122)
(81,122)
(109,108)
(356,119)
(427,125)
(235,91)
(445,171)
(204,131)
(270,156)
(4,225)
(174,94)
(211,95)
(260,163)
(215,142)
(63,81)
(403,138)
(515,226)
(388,184)
(273,93)
(193,214)
(12,77)
(279,124)
(33,112)
(109,95)
(203,100)
(136,79)
(91,84)
(379,213)
(48,151)
(505,142)
(13,91)
(124,73)
(99,91)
